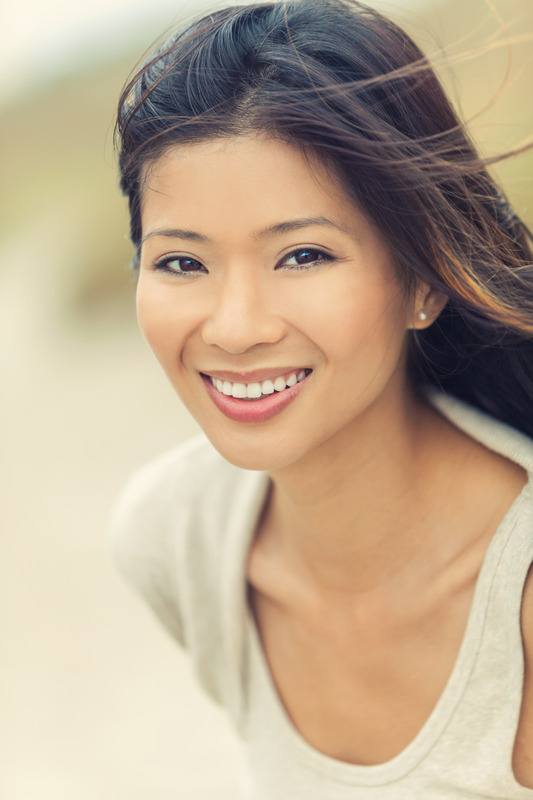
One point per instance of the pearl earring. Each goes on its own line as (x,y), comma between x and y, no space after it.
(422,315)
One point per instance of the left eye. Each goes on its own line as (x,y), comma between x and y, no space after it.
(311,257)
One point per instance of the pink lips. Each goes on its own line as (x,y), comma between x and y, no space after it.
(258,410)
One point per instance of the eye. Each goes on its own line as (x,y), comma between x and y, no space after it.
(163,265)
(312,261)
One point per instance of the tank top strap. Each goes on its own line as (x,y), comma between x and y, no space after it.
(483,728)
(497,679)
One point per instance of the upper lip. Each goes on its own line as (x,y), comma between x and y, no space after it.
(254,376)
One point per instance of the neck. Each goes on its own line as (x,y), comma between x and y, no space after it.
(351,518)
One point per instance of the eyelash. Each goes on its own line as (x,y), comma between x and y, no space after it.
(162,264)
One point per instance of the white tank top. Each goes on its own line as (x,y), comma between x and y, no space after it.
(464,749)
(180,533)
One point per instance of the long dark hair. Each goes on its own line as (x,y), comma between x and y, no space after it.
(337,79)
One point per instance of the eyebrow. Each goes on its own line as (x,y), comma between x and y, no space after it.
(271,230)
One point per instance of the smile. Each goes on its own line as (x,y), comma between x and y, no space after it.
(255,402)
(255,390)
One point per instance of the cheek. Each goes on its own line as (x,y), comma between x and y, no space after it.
(159,317)
(355,319)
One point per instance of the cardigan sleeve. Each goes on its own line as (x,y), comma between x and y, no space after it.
(140,545)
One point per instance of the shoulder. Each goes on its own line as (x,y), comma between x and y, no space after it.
(523,745)
(166,471)
(527,619)
(522,759)
(167,489)
(148,493)
(158,520)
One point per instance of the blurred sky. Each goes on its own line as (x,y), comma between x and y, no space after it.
(44,37)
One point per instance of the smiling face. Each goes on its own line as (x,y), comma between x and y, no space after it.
(323,296)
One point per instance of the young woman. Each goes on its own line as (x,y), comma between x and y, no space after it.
(343,300)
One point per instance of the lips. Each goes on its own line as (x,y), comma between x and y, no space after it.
(254,410)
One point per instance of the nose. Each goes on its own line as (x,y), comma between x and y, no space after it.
(242,315)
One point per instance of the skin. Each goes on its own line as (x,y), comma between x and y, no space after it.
(356,434)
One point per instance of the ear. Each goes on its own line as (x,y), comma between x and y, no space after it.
(429,300)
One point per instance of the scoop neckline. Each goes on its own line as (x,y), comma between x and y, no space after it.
(444,708)
(428,734)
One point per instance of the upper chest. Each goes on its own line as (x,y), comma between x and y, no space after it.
(361,695)
(355,696)
(364,700)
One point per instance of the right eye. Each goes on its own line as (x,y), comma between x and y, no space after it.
(163,265)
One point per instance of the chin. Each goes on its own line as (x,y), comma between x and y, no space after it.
(265,459)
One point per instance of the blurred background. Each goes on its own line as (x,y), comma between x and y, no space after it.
(96,701)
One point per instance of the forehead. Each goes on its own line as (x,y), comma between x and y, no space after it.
(252,172)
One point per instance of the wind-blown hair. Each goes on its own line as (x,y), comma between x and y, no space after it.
(340,81)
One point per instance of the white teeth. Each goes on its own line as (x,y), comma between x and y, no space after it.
(255,390)
(267,387)
(238,390)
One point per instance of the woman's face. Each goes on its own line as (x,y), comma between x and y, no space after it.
(236,300)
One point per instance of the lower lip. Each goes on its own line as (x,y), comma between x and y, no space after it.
(254,410)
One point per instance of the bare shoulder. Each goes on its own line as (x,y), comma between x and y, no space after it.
(523,745)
